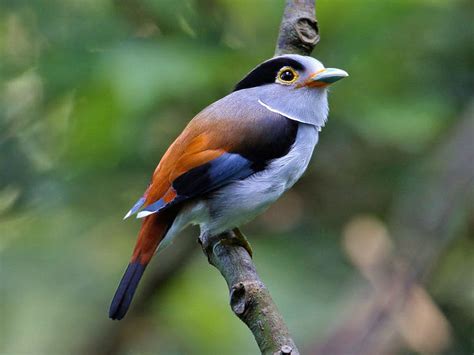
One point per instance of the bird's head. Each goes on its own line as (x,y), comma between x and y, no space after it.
(291,71)
(294,86)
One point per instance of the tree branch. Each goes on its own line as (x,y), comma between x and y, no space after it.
(299,31)
(250,300)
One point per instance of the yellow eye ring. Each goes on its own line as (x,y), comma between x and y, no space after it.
(287,76)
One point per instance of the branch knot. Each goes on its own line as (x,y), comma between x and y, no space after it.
(286,350)
(308,32)
(238,301)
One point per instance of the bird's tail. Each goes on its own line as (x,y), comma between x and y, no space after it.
(153,230)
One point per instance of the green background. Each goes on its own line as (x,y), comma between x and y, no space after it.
(92,92)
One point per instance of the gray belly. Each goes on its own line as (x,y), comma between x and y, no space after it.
(239,202)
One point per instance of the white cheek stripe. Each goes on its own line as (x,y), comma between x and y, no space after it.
(286,115)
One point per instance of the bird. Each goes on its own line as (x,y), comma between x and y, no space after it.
(233,159)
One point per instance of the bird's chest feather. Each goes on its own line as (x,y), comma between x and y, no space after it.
(282,173)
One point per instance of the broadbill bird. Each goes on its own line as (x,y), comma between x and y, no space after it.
(233,159)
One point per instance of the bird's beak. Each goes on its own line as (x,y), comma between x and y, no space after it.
(326,77)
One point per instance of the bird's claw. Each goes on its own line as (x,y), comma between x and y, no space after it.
(241,240)
(235,238)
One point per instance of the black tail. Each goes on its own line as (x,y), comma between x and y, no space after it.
(126,289)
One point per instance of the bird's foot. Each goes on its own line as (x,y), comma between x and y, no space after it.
(240,240)
(208,242)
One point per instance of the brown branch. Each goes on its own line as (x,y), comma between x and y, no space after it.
(299,31)
(250,300)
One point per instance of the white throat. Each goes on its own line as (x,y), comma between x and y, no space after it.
(306,105)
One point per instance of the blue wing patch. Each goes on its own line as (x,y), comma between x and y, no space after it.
(205,178)
(218,172)
(135,207)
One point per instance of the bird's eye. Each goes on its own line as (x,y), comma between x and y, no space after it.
(287,75)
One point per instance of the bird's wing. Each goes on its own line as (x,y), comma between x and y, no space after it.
(210,175)
(212,152)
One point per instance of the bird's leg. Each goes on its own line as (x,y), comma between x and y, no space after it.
(234,237)
(239,239)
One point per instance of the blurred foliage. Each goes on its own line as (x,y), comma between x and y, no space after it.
(93,91)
